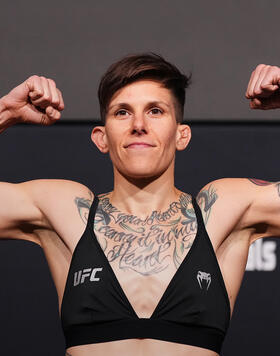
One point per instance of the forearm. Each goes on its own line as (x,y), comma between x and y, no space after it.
(7,117)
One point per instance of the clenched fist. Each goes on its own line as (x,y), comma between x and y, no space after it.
(263,88)
(37,100)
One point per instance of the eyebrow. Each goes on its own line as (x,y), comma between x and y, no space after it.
(151,103)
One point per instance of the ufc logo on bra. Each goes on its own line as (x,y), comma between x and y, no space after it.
(80,276)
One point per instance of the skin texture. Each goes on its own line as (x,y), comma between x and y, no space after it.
(263,88)
(141,136)
(147,246)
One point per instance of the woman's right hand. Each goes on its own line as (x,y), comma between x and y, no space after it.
(37,101)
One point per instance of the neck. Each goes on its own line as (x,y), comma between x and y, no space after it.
(142,196)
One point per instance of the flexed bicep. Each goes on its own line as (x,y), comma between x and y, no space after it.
(265,208)
(18,213)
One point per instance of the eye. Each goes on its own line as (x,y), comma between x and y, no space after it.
(121,112)
(156,111)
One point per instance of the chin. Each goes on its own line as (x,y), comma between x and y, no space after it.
(142,169)
(142,174)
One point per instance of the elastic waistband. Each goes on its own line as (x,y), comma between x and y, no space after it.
(142,328)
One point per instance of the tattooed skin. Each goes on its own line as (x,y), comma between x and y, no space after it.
(259,181)
(83,206)
(148,245)
(206,198)
(265,183)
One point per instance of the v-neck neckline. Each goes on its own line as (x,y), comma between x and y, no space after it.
(172,280)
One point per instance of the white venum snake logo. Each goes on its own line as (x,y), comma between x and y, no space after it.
(203,276)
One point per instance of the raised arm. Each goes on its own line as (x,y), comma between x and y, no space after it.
(264,94)
(37,100)
(249,205)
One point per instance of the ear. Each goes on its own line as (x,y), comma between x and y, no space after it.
(183,137)
(98,136)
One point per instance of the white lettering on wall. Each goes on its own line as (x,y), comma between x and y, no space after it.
(262,256)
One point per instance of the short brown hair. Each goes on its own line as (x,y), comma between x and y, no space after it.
(142,66)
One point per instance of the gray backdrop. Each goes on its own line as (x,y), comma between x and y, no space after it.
(28,302)
(220,41)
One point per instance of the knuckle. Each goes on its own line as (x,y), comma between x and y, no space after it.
(275,70)
(38,92)
(55,102)
(270,70)
(51,81)
(261,66)
(47,97)
(33,77)
(57,115)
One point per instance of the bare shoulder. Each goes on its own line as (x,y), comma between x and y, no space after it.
(229,185)
(244,190)
(225,205)
(222,191)
(239,204)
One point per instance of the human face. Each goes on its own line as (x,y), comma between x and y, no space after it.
(141,133)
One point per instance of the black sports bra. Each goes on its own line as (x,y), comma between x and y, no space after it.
(193,310)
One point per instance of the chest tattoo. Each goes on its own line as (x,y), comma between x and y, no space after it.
(148,245)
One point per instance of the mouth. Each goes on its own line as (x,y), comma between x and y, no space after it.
(139,145)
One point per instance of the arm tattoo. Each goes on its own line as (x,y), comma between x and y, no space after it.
(259,182)
(206,198)
(83,206)
(265,183)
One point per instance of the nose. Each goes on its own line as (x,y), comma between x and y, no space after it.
(139,124)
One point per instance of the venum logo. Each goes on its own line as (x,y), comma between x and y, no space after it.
(262,256)
(80,276)
(204,279)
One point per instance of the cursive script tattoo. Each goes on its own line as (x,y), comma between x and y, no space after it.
(145,245)
(206,198)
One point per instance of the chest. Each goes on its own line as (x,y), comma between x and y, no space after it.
(145,255)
